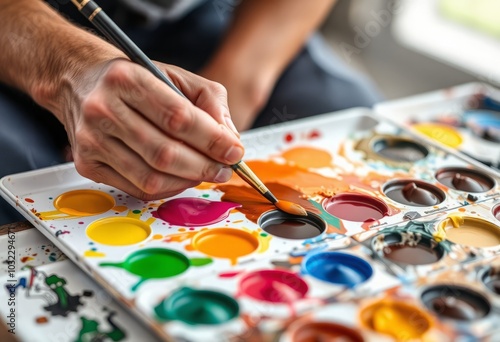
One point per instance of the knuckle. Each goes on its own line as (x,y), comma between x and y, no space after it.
(217,88)
(117,74)
(151,183)
(165,156)
(215,139)
(178,118)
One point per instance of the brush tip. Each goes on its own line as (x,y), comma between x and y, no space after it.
(291,208)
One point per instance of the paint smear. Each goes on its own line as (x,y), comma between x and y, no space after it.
(197,307)
(308,157)
(446,135)
(226,243)
(356,207)
(119,231)
(156,263)
(322,331)
(93,254)
(78,203)
(193,212)
(391,317)
(469,231)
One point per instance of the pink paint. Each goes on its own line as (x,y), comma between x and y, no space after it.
(273,286)
(194,211)
(229,274)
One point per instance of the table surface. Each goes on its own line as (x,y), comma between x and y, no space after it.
(5,336)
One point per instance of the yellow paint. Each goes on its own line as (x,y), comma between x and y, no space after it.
(118,231)
(78,203)
(444,134)
(469,231)
(308,157)
(401,320)
(227,243)
(93,254)
(157,237)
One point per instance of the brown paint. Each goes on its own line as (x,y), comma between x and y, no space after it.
(412,255)
(465,179)
(291,226)
(323,331)
(414,192)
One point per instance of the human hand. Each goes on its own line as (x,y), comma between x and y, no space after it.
(130,130)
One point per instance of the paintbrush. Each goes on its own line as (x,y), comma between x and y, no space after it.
(107,27)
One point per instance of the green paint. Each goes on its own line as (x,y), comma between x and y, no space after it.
(57,285)
(136,211)
(157,263)
(197,307)
(263,234)
(330,220)
(90,331)
(205,195)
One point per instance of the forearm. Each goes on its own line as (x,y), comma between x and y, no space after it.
(43,54)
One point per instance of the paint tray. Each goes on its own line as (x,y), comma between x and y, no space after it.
(353,171)
(465,117)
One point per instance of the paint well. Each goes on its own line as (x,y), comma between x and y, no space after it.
(323,331)
(84,202)
(408,248)
(356,207)
(496,211)
(456,302)
(280,224)
(399,150)
(197,307)
(470,231)
(118,231)
(446,135)
(490,276)
(273,286)
(227,243)
(193,212)
(390,317)
(337,268)
(413,192)
(465,179)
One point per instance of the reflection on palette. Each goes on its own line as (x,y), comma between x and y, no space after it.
(465,117)
(390,216)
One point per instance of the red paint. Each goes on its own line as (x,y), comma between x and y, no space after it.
(229,274)
(496,211)
(193,211)
(314,134)
(273,286)
(29,200)
(288,137)
(356,207)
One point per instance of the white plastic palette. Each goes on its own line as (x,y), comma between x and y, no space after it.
(157,256)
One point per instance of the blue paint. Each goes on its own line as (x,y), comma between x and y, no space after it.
(337,268)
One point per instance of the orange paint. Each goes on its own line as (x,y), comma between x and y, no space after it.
(308,157)
(180,237)
(227,243)
(253,204)
(290,208)
(29,200)
(157,237)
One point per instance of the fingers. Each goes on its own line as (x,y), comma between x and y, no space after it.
(180,119)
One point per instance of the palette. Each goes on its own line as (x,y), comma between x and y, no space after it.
(219,263)
(465,117)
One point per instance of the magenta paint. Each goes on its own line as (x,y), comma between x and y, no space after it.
(273,286)
(356,207)
(192,212)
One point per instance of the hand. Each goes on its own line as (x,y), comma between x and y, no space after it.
(131,131)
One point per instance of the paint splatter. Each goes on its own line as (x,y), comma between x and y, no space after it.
(308,157)
(93,254)
(61,232)
(29,200)
(90,330)
(194,212)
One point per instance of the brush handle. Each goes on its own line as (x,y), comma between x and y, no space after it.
(248,176)
(107,27)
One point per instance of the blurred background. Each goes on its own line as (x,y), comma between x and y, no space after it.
(409,47)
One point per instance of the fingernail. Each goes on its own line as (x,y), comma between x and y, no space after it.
(234,154)
(231,126)
(224,175)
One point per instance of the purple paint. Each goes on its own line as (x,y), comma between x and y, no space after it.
(194,212)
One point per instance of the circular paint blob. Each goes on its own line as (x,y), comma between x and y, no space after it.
(154,263)
(402,247)
(228,243)
(308,157)
(399,150)
(322,331)
(273,286)
(456,302)
(465,179)
(118,231)
(490,277)
(284,225)
(444,134)
(413,192)
(470,231)
(84,202)
(396,318)
(496,211)
(198,307)
(356,207)
(337,268)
